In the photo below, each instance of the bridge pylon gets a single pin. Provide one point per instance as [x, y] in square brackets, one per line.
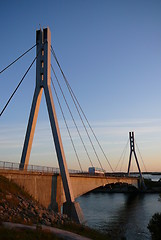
[43, 82]
[132, 150]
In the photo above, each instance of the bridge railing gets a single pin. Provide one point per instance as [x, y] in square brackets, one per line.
[33, 168]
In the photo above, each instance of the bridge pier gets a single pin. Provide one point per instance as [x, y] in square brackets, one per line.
[43, 82]
[132, 150]
[74, 211]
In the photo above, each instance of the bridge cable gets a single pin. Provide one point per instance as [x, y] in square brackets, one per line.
[140, 156]
[122, 156]
[132, 163]
[18, 58]
[66, 125]
[80, 115]
[123, 160]
[18, 86]
[75, 122]
[72, 116]
[77, 103]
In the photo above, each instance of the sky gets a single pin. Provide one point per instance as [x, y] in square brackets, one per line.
[110, 52]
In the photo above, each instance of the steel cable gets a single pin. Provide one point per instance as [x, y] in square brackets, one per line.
[76, 101]
[72, 116]
[17, 87]
[83, 122]
[141, 157]
[66, 125]
[122, 156]
[18, 58]
[123, 160]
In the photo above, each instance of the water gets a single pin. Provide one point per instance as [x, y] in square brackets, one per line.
[123, 215]
[154, 178]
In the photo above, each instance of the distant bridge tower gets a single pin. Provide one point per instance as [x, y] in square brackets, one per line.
[43, 82]
[132, 150]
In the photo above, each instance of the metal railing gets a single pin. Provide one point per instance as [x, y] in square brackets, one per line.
[50, 170]
[33, 168]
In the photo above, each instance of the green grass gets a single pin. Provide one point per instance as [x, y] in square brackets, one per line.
[84, 231]
[10, 234]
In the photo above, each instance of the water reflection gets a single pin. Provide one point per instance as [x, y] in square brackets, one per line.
[125, 216]
[126, 225]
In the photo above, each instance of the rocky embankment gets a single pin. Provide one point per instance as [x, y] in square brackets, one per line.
[17, 206]
[18, 210]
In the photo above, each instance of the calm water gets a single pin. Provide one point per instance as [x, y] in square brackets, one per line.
[154, 178]
[121, 214]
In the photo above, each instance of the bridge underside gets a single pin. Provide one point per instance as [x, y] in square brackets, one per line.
[48, 188]
[84, 184]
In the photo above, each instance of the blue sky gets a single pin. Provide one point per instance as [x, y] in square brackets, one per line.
[110, 52]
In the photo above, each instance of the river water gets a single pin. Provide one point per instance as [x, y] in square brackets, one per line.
[121, 214]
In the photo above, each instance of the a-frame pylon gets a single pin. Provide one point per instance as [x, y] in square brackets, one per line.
[132, 150]
[43, 82]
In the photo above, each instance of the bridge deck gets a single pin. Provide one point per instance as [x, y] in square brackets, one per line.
[48, 189]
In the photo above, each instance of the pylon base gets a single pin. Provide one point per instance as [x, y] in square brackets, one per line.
[73, 211]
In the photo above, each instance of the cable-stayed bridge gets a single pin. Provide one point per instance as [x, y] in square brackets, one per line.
[64, 187]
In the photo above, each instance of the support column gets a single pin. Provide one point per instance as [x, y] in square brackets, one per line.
[35, 105]
[43, 81]
[132, 150]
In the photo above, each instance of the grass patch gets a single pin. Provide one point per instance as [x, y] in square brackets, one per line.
[8, 186]
[84, 231]
[10, 234]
